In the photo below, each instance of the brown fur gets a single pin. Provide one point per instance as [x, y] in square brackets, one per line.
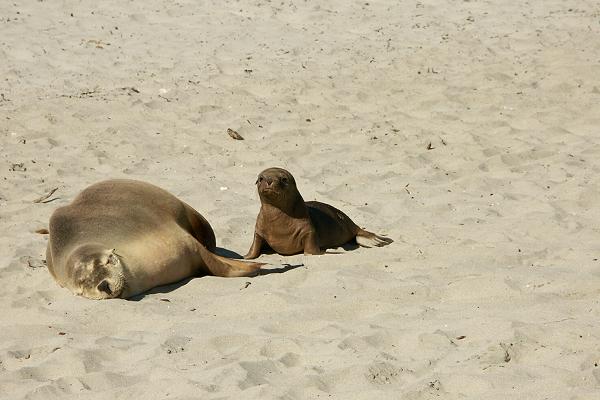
[119, 238]
[288, 225]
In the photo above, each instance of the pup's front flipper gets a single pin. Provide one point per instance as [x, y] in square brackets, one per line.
[311, 245]
[256, 247]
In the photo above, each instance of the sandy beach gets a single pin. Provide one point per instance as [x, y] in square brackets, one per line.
[467, 131]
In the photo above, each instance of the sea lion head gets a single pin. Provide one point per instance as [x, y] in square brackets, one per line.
[277, 186]
[96, 272]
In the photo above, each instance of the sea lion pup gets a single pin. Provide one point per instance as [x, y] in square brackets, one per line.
[289, 225]
[119, 238]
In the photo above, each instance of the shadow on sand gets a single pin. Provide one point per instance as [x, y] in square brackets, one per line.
[222, 252]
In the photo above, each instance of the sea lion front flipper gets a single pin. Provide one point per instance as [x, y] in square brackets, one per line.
[369, 239]
[311, 245]
[256, 247]
[227, 267]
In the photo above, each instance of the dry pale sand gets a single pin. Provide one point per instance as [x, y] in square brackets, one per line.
[468, 131]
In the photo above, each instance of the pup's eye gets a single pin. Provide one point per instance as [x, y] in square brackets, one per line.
[284, 181]
[260, 178]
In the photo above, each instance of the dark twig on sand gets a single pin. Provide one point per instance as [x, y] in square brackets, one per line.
[234, 134]
[246, 285]
[46, 196]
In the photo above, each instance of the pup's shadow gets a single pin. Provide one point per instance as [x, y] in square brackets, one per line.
[350, 246]
[281, 270]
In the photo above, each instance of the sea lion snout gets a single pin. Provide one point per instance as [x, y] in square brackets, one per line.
[97, 272]
[104, 287]
[269, 183]
[275, 180]
[266, 180]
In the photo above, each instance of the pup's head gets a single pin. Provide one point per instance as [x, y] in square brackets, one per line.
[96, 272]
[276, 186]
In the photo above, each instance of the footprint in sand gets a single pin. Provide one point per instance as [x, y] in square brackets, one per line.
[176, 344]
[259, 373]
[383, 373]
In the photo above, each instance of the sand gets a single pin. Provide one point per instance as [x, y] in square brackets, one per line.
[468, 131]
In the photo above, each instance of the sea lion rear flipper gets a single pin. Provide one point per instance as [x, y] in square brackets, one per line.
[369, 239]
[227, 267]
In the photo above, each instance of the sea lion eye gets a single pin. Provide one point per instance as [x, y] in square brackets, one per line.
[284, 181]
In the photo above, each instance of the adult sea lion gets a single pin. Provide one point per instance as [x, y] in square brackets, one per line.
[119, 238]
[289, 225]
